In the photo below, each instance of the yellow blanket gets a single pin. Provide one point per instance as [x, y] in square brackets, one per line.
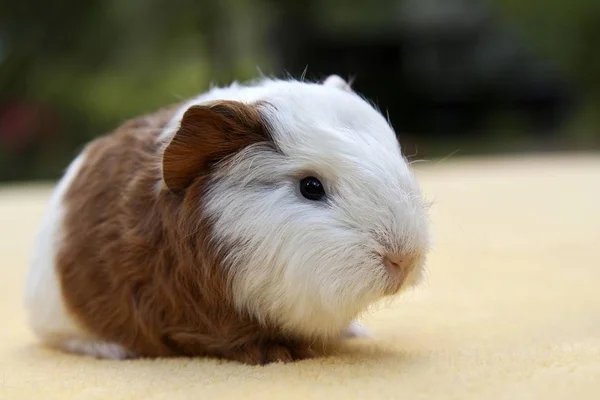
[510, 308]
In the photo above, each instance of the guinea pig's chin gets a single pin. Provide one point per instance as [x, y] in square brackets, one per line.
[399, 284]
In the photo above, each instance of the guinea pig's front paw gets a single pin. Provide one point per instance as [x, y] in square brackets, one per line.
[356, 330]
[272, 352]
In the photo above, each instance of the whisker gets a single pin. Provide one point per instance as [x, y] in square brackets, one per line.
[447, 157]
[415, 153]
[178, 96]
[418, 161]
[303, 74]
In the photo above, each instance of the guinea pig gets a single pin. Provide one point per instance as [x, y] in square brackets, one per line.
[253, 223]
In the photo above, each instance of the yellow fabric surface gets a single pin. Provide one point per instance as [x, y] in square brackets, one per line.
[510, 308]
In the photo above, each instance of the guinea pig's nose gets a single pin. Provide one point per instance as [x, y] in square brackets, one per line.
[400, 265]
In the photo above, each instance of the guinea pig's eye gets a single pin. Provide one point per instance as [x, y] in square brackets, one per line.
[312, 188]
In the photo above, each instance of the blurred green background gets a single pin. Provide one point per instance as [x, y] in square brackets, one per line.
[470, 77]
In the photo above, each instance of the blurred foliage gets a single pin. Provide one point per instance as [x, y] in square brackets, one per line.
[567, 32]
[71, 70]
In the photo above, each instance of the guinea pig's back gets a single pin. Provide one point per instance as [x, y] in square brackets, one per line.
[90, 192]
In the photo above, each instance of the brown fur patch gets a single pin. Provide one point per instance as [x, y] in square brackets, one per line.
[207, 135]
[136, 266]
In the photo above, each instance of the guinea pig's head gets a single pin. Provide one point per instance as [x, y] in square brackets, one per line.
[312, 205]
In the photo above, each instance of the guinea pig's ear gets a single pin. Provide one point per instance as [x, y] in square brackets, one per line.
[206, 135]
[338, 82]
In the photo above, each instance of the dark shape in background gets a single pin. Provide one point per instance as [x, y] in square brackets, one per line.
[438, 72]
[453, 75]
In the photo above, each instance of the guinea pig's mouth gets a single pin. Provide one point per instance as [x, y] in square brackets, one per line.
[394, 285]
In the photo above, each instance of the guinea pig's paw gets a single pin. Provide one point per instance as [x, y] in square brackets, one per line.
[97, 349]
[356, 330]
[273, 352]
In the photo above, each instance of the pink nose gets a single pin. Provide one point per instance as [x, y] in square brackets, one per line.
[399, 266]
[399, 263]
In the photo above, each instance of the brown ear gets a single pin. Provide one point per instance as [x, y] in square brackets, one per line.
[207, 134]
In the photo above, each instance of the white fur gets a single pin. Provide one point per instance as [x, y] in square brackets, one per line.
[311, 267]
[47, 314]
[337, 81]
